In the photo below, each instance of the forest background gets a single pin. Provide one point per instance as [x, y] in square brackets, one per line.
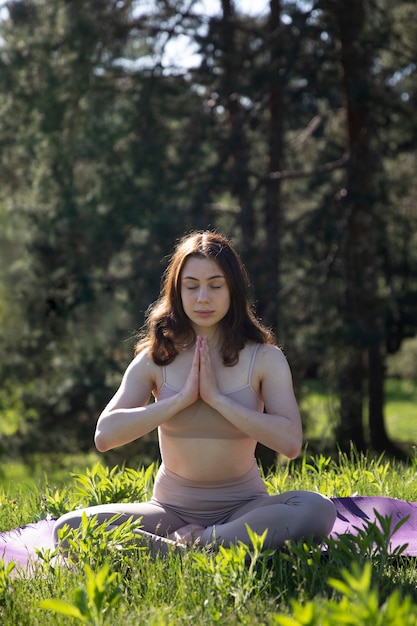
[292, 129]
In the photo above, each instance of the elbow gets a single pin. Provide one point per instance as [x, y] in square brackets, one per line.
[292, 453]
[100, 442]
[294, 450]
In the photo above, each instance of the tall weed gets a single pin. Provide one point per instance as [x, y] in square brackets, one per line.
[105, 577]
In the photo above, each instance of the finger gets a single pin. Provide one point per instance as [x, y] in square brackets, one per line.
[196, 360]
[204, 347]
[203, 354]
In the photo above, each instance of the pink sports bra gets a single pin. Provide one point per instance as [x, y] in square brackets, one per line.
[201, 421]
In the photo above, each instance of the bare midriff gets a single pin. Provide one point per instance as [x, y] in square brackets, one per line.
[207, 459]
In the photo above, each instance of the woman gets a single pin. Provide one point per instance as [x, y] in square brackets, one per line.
[221, 386]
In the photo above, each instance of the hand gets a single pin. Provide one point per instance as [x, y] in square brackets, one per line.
[190, 392]
[208, 386]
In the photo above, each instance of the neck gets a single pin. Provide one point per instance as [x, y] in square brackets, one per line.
[213, 336]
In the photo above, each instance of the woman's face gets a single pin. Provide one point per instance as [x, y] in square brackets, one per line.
[205, 294]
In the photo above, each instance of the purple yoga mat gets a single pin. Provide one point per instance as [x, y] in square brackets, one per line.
[352, 513]
[19, 545]
[357, 512]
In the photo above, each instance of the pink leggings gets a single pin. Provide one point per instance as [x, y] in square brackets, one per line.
[224, 508]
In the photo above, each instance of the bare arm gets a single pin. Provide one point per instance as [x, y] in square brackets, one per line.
[128, 416]
[279, 427]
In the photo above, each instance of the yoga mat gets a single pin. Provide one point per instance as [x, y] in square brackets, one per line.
[357, 512]
[353, 513]
[19, 545]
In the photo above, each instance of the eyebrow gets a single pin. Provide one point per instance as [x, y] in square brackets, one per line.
[209, 278]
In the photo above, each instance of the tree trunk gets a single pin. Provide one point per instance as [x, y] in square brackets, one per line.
[377, 430]
[273, 205]
[351, 390]
[359, 253]
[238, 146]
[240, 186]
[273, 201]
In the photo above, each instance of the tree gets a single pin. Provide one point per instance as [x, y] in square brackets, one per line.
[87, 134]
[109, 154]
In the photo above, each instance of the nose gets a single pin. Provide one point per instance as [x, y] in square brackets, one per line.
[202, 294]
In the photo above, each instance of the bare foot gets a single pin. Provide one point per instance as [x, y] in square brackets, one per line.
[187, 535]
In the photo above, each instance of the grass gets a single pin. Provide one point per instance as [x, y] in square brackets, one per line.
[319, 408]
[21, 475]
[401, 410]
[111, 581]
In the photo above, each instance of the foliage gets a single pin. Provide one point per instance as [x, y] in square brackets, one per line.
[101, 575]
[235, 570]
[403, 364]
[100, 485]
[92, 604]
[319, 403]
[110, 152]
[5, 580]
[93, 542]
[359, 605]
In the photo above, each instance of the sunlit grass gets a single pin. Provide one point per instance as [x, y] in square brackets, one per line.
[112, 583]
[319, 407]
[401, 410]
[109, 581]
[20, 475]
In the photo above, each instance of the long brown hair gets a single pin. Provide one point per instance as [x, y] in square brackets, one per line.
[168, 330]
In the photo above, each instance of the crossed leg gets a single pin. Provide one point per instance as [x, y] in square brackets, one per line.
[156, 522]
[292, 515]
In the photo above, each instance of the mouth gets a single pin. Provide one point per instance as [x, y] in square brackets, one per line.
[204, 313]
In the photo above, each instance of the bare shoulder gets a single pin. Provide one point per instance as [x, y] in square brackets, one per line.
[138, 382]
[271, 354]
[271, 362]
[143, 367]
[142, 358]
